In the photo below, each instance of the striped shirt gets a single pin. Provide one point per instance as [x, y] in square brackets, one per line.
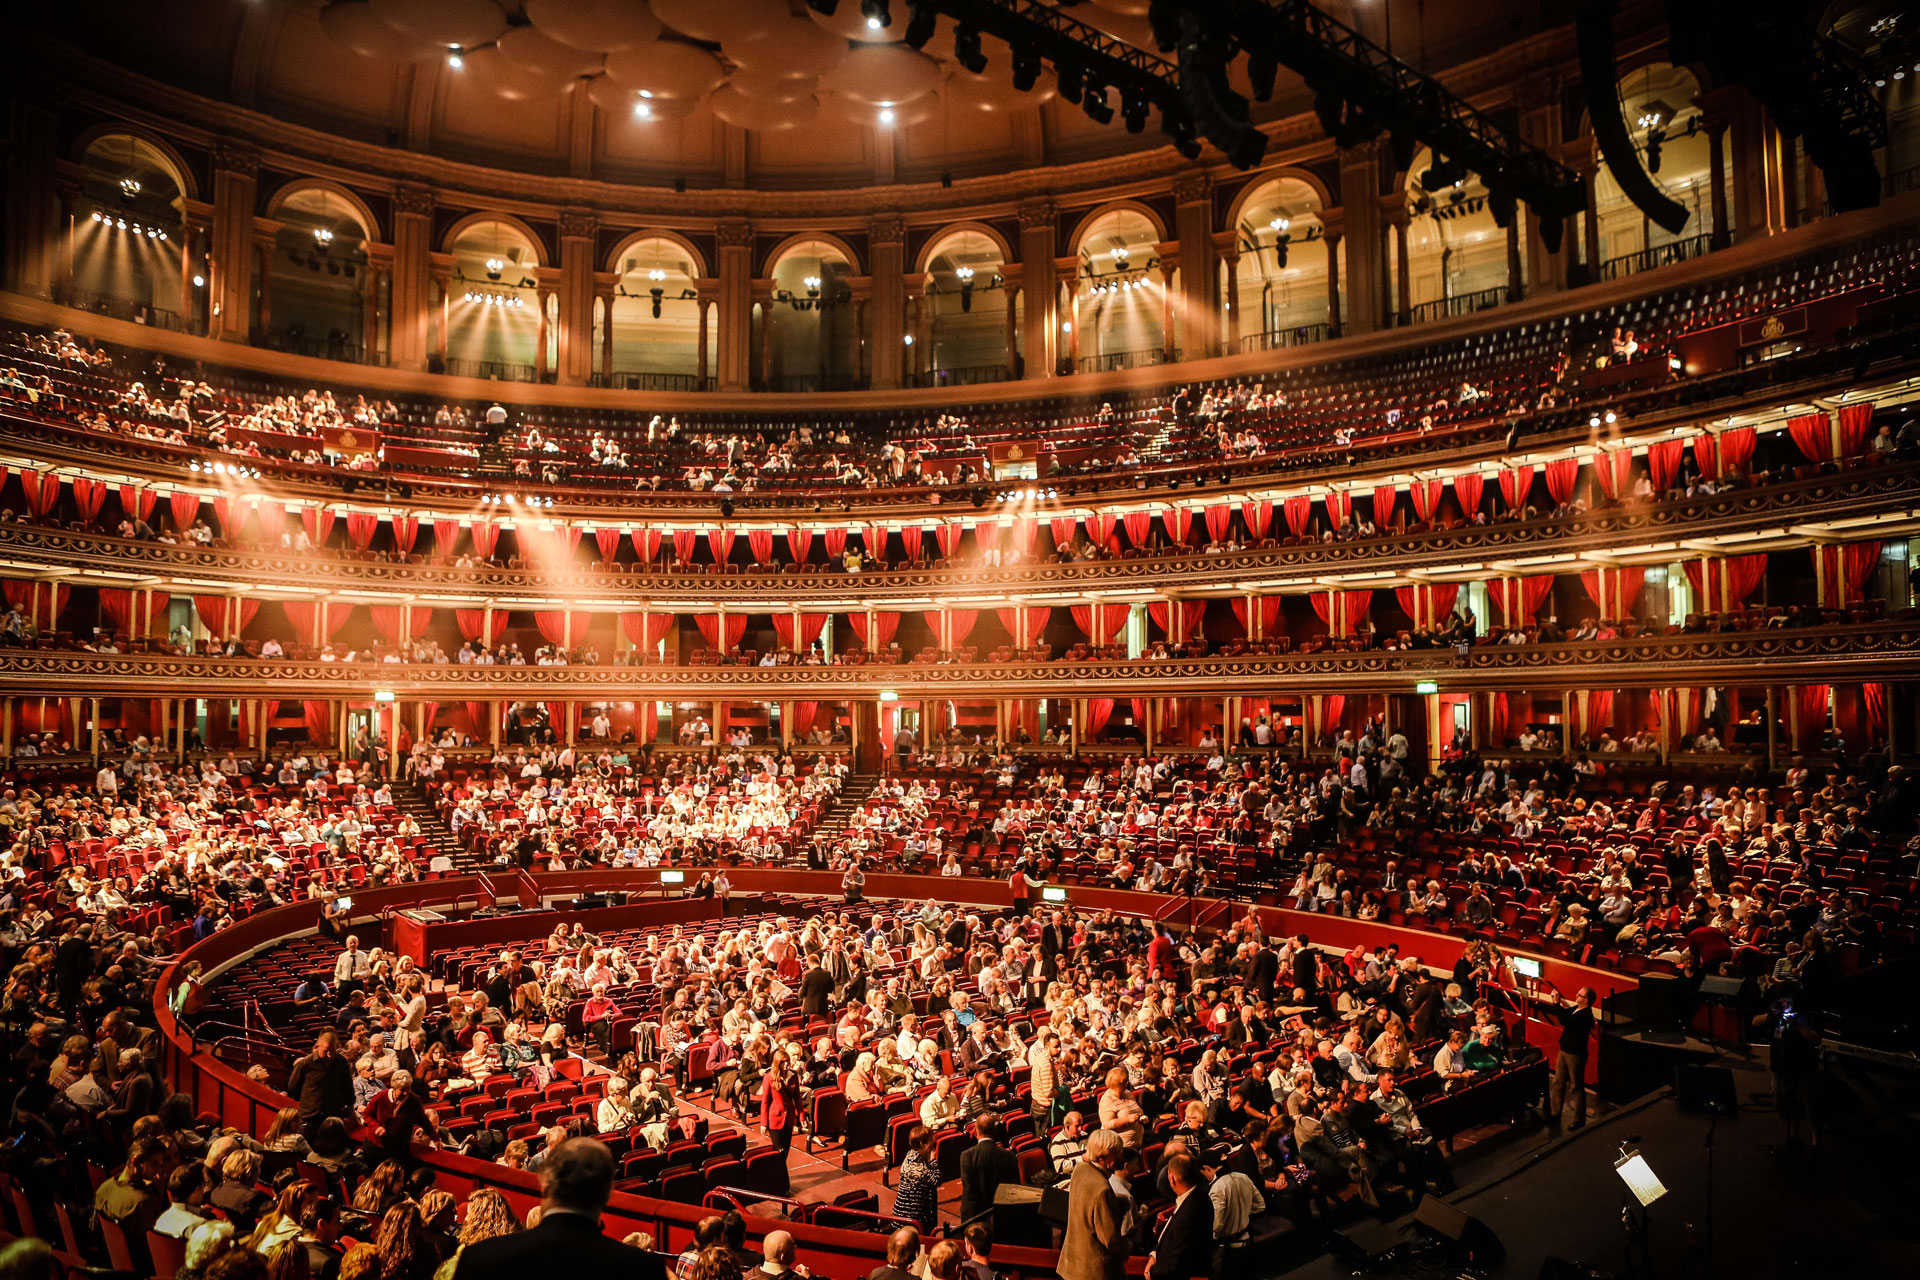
[1040, 1063]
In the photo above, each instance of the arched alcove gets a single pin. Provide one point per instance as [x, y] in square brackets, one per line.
[1280, 281]
[1670, 136]
[969, 338]
[808, 327]
[127, 222]
[1456, 252]
[1119, 306]
[656, 316]
[492, 307]
[318, 298]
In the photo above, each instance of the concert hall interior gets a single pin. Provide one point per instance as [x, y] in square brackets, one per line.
[878, 638]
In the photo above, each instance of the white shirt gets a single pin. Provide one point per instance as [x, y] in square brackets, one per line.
[1235, 1201]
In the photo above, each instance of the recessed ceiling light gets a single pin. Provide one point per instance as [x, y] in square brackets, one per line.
[644, 110]
[886, 115]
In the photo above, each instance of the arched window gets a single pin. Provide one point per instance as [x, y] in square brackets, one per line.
[1119, 303]
[656, 317]
[808, 330]
[127, 233]
[492, 304]
[1670, 136]
[966, 319]
[319, 297]
[1456, 253]
[1281, 278]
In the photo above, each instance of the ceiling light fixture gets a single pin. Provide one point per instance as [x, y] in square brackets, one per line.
[454, 59]
[323, 236]
[886, 115]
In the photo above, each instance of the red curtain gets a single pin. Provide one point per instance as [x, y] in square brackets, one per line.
[1026, 536]
[386, 621]
[1353, 607]
[1663, 461]
[1101, 530]
[1385, 497]
[486, 536]
[683, 544]
[88, 497]
[1112, 620]
[138, 502]
[803, 714]
[360, 529]
[319, 717]
[1517, 600]
[960, 626]
[608, 543]
[219, 613]
[446, 535]
[318, 523]
[947, 537]
[1425, 495]
[1427, 603]
[1561, 475]
[1339, 504]
[720, 543]
[911, 538]
[1856, 420]
[1298, 510]
[117, 604]
[184, 506]
[1468, 489]
[473, 622]
[1611, 470]
[811, 624]
[553, 624]
[1099, 711]
[836, 542]
[1728, 582]
[1036, 620]
[1810, 704]
[657, 626]
[646, 544]
[1736, 450]
[1139, 526]
[1616, 591]
[1178, 522]
[1269, 615]
[1874, 702]
[1515, 484]
[1219, 521]
[1062, 528]
[1178, 619]
[799, 542]
[760, 543]
[1813, 432]
[406, 530]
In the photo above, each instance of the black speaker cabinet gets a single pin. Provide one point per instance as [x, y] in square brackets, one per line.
[1469, 1239]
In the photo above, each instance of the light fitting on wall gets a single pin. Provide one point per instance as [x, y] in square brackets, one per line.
[323, 236]
[129, 188]
[886, 116]
[454, 59]
[494, 267]
[495, 299]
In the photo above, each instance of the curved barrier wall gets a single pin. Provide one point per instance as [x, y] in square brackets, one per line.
[221, 1090]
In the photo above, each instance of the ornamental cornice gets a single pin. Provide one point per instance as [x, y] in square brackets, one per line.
[1869, 651]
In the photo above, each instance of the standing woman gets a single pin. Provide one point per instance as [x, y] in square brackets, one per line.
[779, 1102]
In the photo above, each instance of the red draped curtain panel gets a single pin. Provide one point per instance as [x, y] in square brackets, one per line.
[760, 543]
[446, 536]
[911, 538]
[1736, 450]
[117, 604]
[1515, 484]
[947, 537]
[1298, 510]
[1178, 522]
[1258, 517]
[1099, 711]
[803, 716]
[1034, 619]
[1062, 529]
[406, 531]
[185, 507]
[646, 544]
[1663, 463]
[1425, 495]
[1100, 530]
[1339, 505]
[318, 715]
[1139, 525]
[1468, 489]
[835, 541]
[360, 529]
[607, 542]
[88, 497]
[647, 630]
[1178, 620]
[1810, 705]
[1616, 591]
[811, 625]
[473, 625]
[1026, 536]
[720, 543]
[486, 537]
[684, 541]
[1725, 584]
[1813, 434]
[1517, 600]
[1562, 473]
[138, 503]
[1427, 603]
[318, 522]
[1611, 470]
[1269, 616]
[1856, 422]
[1385, 497]
[1219, 521]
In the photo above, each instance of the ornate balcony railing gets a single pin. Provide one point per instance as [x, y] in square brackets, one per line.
[1775, 656]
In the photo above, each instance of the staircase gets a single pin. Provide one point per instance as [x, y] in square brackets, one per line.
[494, 456]
[1155, 445]
[833, 822]
[410, 800]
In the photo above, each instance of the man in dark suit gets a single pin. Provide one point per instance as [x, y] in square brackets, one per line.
[815, 986]
[575, 1181]
[984, 1167]
[1263, 970]
[1306, 968]
[1185, 1246]
[1056, 940]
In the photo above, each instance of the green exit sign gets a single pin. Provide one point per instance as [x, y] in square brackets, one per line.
[1427, 686]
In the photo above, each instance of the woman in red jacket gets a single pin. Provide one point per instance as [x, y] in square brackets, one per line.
[779, 1103]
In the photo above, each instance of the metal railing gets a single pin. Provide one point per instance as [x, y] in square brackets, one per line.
[651, 380]
[1141, 358]
[966, 375]
[118, 308]
[1298, 335]
[1460, 304]
[328, 348]
[811, 382]
[497, 370]
[1662, 255]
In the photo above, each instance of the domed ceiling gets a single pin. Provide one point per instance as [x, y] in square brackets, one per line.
[760, 93]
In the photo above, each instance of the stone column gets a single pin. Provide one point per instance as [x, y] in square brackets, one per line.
[443, 285]
[1040, 324]
[1335, 324]
[886, 250]
[578, 227]
[1231, 303]
[606, 334]
[1759, 192]
[735, 241]
[263, 265]
[1199, 296]
[412, 278]
[370, 310]
[1366, 247]
[700, 350]
[1717, 162]
[1401, 221]
[236, 169]
[541, 297]
[1013, 329]
[193, 231]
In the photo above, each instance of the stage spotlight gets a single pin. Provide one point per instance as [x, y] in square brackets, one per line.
[921, 18]
[1095, 104]
[966, 50]
[1261, 69]
[1026, 67]
[878, 13]
[824, 8]
[1133, 109]
[1072, 81]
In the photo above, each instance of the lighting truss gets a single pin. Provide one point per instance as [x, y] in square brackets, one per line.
[1369, 92]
